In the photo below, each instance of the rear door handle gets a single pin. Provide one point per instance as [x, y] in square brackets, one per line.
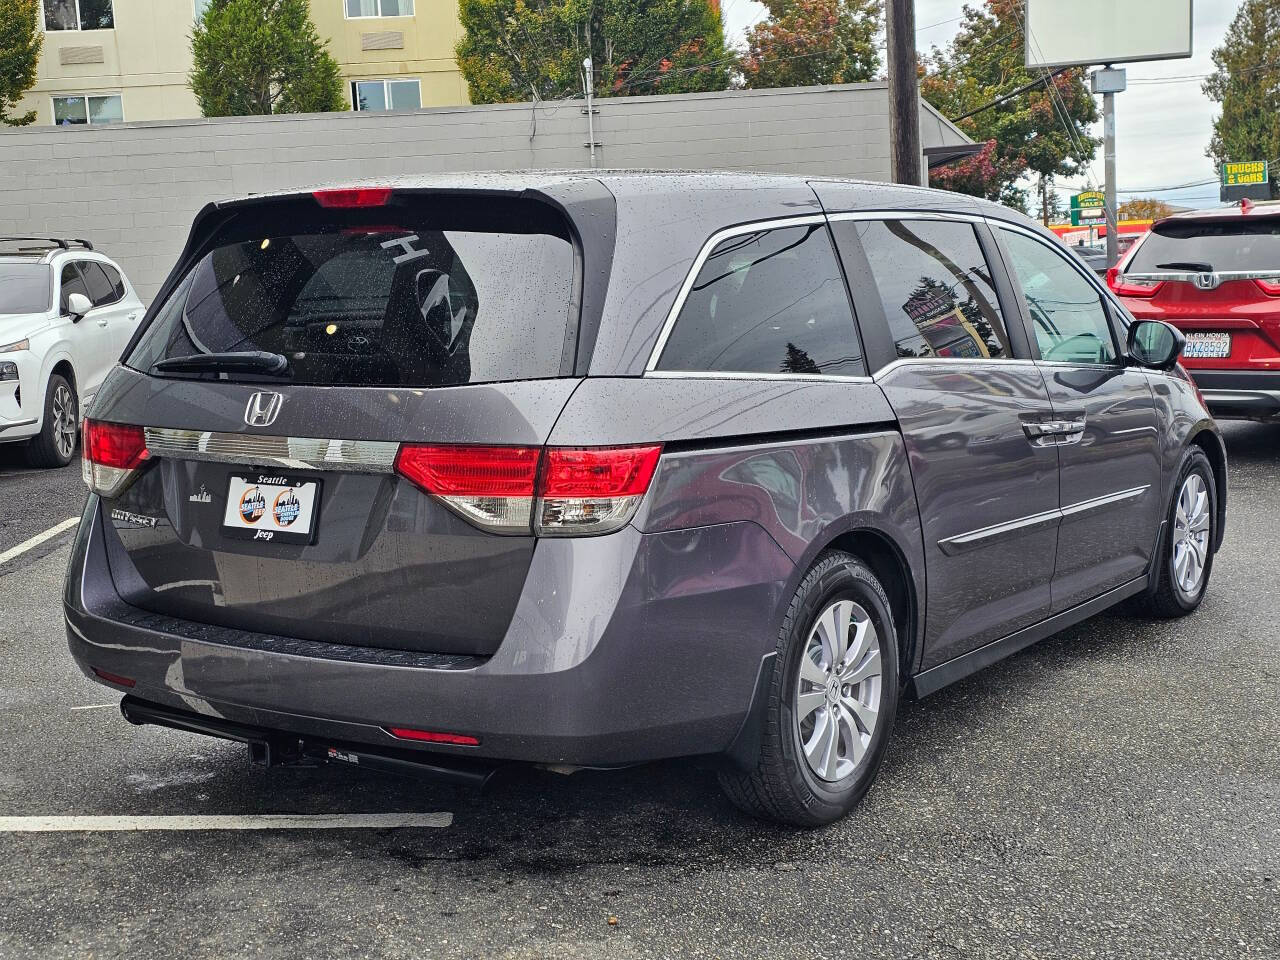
[102, 323]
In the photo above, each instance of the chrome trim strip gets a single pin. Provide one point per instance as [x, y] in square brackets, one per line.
[998, 531]
[296, 453]
[1012, 528]
[664, 334]
[1097, 503]
[727, 375]
[1221, 275]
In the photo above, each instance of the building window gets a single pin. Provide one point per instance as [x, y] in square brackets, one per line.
[69, 111]
[78, 15]
[200, 7]
[379, 95]
[379, 8]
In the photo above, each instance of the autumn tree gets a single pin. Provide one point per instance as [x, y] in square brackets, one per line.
[1143, 208]
[1042, 132]
[514, 50]
[262, 56]
[20, 43]
[808, 42]
[1246, 82]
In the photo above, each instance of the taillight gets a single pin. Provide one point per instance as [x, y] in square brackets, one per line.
[1123, 287]
[490, 486]
[353, 197]
[593, 490]
[562, 491]
[1270, 287]
[112, 455]
[115, 678]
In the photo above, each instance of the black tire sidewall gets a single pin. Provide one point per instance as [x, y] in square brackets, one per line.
[42, 449]
[841, 576]
[1194, 461]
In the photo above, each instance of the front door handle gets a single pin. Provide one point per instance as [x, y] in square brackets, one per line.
[1046, 433]
[102, 323]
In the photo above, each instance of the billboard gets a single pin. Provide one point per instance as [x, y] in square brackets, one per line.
[1089, 32]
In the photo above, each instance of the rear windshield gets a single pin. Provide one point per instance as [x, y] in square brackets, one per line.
[377, 306]
[25, 288]
[1225, 247]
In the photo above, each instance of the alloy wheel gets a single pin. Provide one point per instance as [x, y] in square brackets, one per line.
[838, 691]
[64, 421]
[1191, 524]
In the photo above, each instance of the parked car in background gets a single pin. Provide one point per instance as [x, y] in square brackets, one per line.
[595, 469]
[66, 313]
[1215, 274]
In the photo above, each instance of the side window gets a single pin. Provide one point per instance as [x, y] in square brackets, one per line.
[101, 290]
[72, 282]
[1067, 315]
[936, 288]
[773, 301]
[117, 281]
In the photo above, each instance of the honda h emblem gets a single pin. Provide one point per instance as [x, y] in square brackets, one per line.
[1207, 281]
[263, 409]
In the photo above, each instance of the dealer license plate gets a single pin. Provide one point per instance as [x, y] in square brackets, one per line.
[280, 509]
[1207, 346]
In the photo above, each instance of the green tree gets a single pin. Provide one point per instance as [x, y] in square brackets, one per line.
[808, 42]
[262, 56]
[514, 50]
[20, 42]
[1246, 82]
[1044, 131]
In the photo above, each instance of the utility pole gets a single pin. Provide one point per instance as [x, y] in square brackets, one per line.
[1109, 82]
[589, 90]
[904, 92]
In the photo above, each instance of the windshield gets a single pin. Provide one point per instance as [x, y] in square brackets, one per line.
[25, 288]
[1237, 245]
[377, 306]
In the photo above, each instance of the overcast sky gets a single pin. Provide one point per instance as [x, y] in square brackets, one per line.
[1162, 129]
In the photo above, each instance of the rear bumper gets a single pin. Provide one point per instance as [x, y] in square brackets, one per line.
[1240, 394]
[605, 663]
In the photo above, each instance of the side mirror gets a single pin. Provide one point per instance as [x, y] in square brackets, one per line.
[77, 306]
[1155, 344]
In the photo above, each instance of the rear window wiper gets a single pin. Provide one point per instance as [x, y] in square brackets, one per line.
[249, 361]
[1191, 266]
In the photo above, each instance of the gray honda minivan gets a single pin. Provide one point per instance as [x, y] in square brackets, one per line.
[590, 469]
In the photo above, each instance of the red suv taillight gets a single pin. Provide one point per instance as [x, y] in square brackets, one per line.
[112, 455]
[1131, 288]
[1270, 286]
[557, 492]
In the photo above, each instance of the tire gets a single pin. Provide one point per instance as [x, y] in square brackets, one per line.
[785, 784]
[1171, 596]
[55, 444]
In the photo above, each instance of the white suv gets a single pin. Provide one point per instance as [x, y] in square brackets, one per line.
[66, 313]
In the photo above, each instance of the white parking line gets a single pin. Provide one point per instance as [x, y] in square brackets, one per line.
[267, 821]
[38, 539]
[96, 706]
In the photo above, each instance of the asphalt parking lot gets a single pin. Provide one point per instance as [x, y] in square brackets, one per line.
[1112, 792]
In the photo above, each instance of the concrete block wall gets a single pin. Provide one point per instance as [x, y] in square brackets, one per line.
[133, 189]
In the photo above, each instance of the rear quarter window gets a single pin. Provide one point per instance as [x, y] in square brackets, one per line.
[403, 306]
[770, 301]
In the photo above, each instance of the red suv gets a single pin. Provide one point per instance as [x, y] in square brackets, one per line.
[1215, 274]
